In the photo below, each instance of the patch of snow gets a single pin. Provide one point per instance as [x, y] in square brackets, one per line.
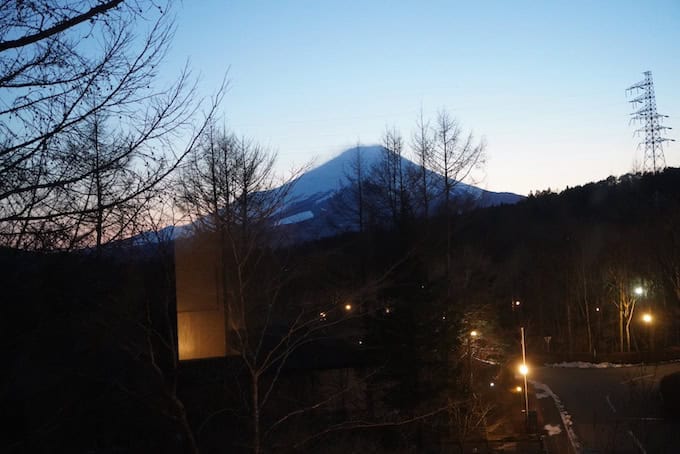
[586, 365]
[297, 217]
[541, 395]
[326, 197]
[566, 417]
[487, 361]
[164, 235]
[552, 430]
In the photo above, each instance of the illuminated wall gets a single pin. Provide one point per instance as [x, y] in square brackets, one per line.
[200, 312]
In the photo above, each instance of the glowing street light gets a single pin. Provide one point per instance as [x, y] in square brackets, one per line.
[518, 389]
[474, 333]
[647, 318]
[639, 290]
[348, 307]
[523, 369]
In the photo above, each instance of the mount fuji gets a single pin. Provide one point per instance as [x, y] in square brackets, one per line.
[312, 198]
[319, 204]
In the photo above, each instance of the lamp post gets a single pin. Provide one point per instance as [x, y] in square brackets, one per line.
[524, 370]
[648, 319]
[516, 307]
[598, 311]
[473, 335]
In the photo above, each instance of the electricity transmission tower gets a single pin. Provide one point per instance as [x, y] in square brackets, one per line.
[650, 119]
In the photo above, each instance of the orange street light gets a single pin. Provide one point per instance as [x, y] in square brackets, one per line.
[523, 369]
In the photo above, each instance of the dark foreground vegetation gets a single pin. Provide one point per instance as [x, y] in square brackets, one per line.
[89, 339]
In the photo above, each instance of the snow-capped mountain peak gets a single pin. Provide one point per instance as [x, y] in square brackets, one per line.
[332, 175]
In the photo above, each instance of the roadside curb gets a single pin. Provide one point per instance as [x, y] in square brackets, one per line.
[541, 391]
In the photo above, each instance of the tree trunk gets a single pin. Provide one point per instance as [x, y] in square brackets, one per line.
[99, 223]
[257, 447]
[570, 338]
[621, 328]
[587, 307]
[629, 318]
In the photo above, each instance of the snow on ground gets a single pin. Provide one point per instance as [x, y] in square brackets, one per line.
[585, 365]
[541, 395]
[566, 417]
[297, 217]
[487, 361]
[324, 198]
[552, 430]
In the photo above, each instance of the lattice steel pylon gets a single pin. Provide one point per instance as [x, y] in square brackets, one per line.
[650, 119]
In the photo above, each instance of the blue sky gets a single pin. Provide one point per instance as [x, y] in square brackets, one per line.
[543, 82]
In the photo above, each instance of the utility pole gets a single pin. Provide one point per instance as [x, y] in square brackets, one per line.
[524, 371]
[470, 338]
[650, 119]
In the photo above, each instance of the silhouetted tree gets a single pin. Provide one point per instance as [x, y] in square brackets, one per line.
[70, 70]
[455, 157]
[422, 146]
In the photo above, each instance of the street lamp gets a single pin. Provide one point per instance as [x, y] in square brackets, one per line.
[524, 370]
[648, 319]
[514, 304]
[473, 335]
[639, 290]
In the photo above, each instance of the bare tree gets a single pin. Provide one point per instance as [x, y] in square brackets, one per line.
[455, 157]
[389, 179]
[356, 176]
[468, 419]
[620, 287]
[270, 312]
[422, 145]
[69, 71]
[87, 133]
[228, 187]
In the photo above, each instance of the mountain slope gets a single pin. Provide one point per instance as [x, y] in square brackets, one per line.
[333, 176]
[317, 201]
[312, 199]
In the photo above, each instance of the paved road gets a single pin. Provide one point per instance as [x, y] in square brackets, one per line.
[615, 410]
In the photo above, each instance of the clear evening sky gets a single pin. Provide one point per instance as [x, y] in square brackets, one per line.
[544, 82]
